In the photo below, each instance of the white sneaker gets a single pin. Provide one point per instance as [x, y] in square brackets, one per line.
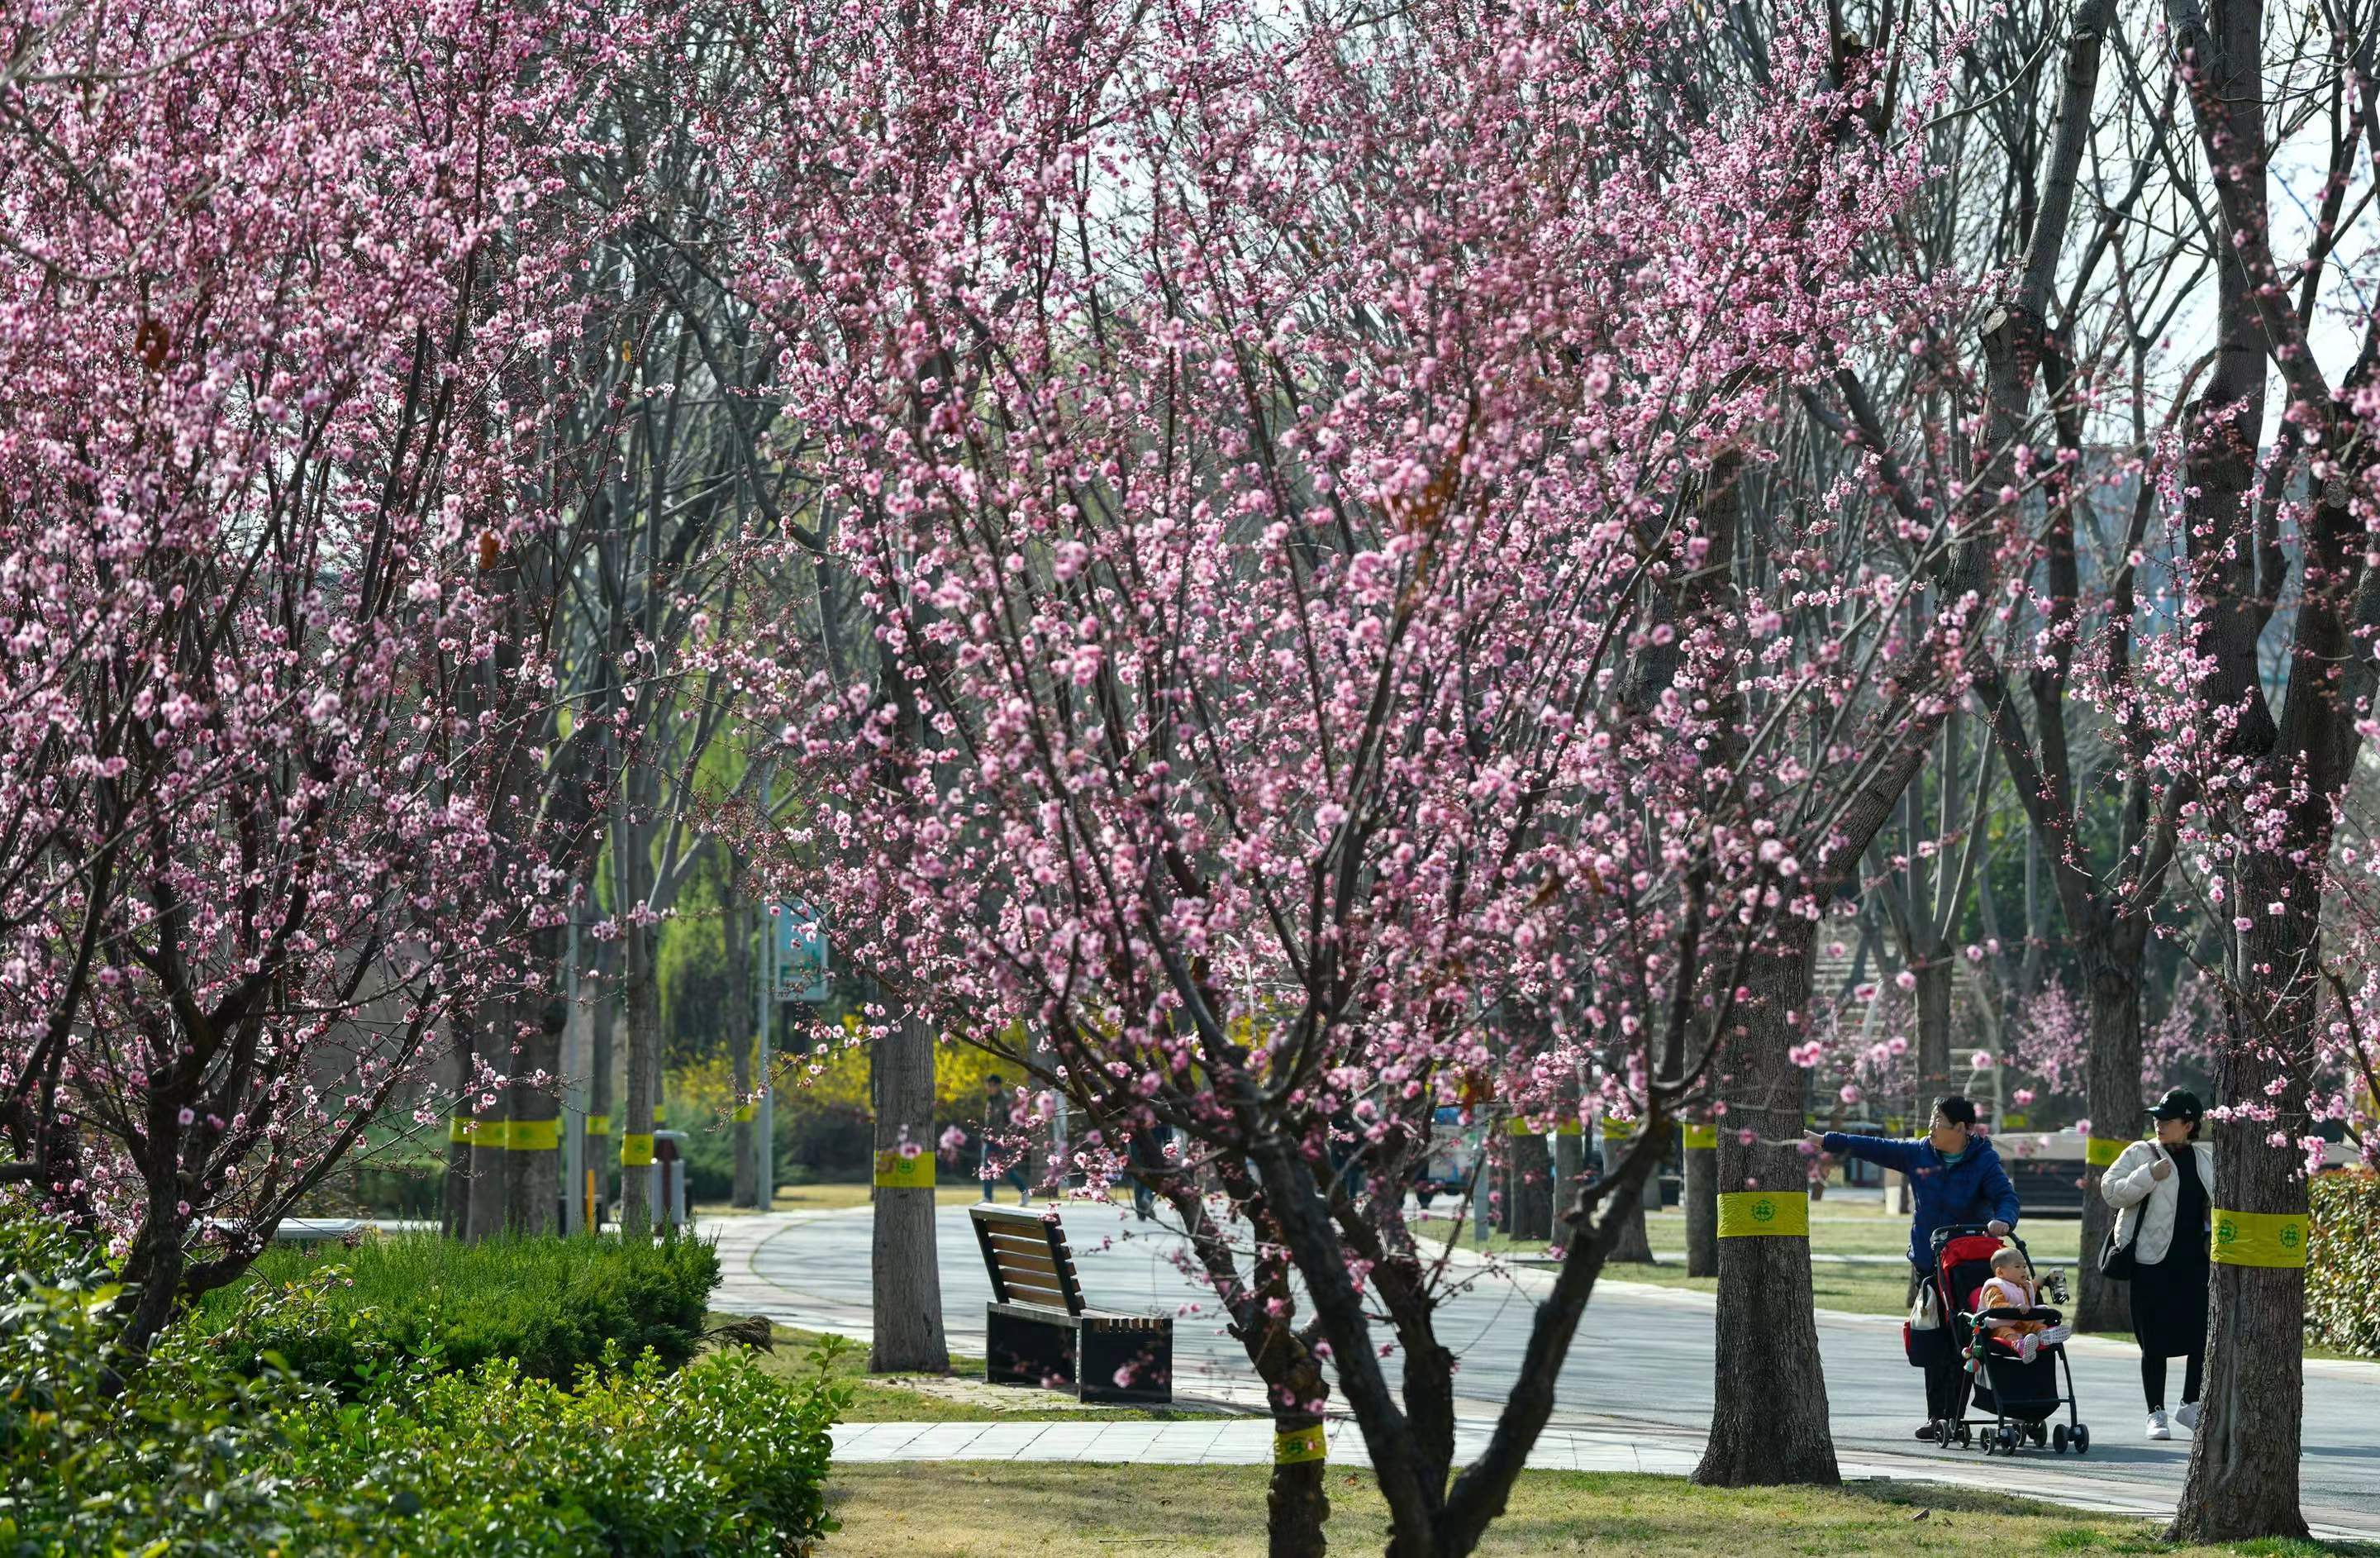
[2157, 1425]
[2185, 1417]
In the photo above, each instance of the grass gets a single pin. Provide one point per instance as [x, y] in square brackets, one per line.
[959, 1509]
[876, 1399]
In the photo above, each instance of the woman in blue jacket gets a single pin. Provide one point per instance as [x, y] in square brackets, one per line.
[1954, 1177]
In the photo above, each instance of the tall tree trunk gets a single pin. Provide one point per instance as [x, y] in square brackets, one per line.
[1700, 1193]
[492, 1125]
[1570, 1162]
[1769, 1416]
[735, 931]
[640, 1003]
[1937, 1073]
[2112, 1087]
[602, 1129]
[533, 1164]
[2243, 1456]
[1297, 1499]
[906, 1292]
[1634, 1245]
[1532, 1187]
[454, 1214]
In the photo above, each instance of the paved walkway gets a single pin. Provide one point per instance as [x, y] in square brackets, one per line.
[1634, 1396]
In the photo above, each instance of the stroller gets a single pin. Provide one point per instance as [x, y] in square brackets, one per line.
[1964, 1366]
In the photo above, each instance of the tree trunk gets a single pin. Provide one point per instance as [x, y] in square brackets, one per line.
[1769, 1412]
[1700, 1193]
[533, 1164]
[640, 1001]
[1297, 1502]
[2243, 1457]
[454, 1214]
[2112, 1087]
[1570, 1162]
[1634, 1245]
[1533, 1188]
[735, 931]
[1936, 1074]
[153, 1269]
[907, 1287]
[602, 1132]
[491, 1126]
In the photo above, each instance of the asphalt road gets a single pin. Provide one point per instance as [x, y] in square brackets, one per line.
[1643, 1360]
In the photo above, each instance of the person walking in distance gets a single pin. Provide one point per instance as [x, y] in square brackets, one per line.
[1150, 1162]
[1955, 1178]
[2163, 1191]
[998, 1116]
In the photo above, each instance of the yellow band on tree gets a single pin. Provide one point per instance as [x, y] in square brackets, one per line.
[1299, 1445]
[536, 1136]
[598, 1124]
[1750, 1215]
[2101, 1151]
[458, 1129]
[637, 1149]
[1619, 1130]
[2260, 1238]
[1705, 1137]
[1519, 1125]
[896, 1171]
[493, 1135]
[1570, 1127]
[747, 1111]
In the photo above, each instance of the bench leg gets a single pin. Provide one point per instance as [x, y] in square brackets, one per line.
[1134, 1366]
[1027, 1352]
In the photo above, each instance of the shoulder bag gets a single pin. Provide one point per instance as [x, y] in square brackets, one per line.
[2116, 1262]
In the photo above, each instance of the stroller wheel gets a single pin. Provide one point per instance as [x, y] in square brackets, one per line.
[2080, 1438]
[2010, 1440]
[2057, 1439]
[1966, 1434]
[2039, 1432]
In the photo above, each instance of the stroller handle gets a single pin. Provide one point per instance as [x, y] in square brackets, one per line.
[1944, 1233]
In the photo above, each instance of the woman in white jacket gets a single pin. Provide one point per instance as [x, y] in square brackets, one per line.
[2164, 1195]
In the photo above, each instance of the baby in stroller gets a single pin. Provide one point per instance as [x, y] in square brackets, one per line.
[1987, 1345]
[2010, 1287]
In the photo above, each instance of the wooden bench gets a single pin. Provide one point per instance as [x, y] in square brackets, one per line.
[1039, 1332]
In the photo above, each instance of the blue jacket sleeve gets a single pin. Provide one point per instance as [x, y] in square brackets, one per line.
[1894, 1154]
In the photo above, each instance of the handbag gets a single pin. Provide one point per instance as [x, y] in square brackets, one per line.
[1923, 1313]
[2116, 1262]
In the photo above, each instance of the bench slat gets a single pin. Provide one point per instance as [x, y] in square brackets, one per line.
[1030, 1261]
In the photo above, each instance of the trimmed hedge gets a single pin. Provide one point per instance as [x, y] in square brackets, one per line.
[2343, 1261]
[550, 1307]
[181, 1457]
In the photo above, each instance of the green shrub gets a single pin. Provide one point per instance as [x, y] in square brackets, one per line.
[2343, 1262]
[345, 1317]
[419, 1461]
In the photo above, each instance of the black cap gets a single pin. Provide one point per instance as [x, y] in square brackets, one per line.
[2179, 1104]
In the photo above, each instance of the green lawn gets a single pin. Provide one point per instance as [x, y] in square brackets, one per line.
[1835, 1228]
[876, 1399]
[959, 1509]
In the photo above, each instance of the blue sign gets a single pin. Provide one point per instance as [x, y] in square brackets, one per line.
[801, 952]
